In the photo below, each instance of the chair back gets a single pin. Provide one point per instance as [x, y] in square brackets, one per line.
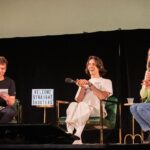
[110, 121]
[111, 108]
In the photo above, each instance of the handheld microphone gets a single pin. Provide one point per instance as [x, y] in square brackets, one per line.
[148, 66]
[69, 80]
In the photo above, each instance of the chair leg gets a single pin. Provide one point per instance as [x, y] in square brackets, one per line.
[101, 136]
[120, 125]
[101, 129]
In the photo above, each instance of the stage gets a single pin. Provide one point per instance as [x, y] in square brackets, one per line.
[70, 146]
[48, 136]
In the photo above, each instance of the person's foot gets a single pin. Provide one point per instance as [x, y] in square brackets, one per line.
[77, 142]
[68, 132]
[146, 141]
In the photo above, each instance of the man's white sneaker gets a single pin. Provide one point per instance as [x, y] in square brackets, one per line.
[77, 142]
[68, 132]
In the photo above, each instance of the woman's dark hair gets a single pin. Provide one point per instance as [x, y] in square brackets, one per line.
[99, 64]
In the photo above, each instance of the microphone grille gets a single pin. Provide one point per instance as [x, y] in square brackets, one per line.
[148, 66]
[69, 80]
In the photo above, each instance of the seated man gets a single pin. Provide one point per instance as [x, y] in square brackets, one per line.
[7, 94]
[88, 97]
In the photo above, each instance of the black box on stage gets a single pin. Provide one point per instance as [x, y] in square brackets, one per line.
[34, 133]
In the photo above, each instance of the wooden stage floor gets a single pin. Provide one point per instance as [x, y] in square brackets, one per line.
[70, 146]
[48, 136]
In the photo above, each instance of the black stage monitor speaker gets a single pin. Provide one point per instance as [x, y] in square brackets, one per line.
[34, 133]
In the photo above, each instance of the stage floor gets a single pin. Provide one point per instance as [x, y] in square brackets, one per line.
[48, 136]
[70, 146]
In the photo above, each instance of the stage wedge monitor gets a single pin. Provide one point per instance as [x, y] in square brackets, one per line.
[34, 133]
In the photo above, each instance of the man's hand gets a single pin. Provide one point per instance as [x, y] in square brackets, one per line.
[4, 96]
[82, 83]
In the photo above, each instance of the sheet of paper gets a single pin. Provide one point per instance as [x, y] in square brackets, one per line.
[4, 91]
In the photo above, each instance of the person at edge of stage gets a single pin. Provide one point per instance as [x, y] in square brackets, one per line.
[7, 93]
[141, 111]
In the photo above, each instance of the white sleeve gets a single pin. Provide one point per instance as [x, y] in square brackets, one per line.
[107, 85]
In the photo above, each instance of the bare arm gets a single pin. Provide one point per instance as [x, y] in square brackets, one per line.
[83, 84]
[102, 95]
[10, 100]
[146, 81]
[81, 95]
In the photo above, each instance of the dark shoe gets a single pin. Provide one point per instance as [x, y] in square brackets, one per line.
[73, 136]
[76, 137]
[147, 140]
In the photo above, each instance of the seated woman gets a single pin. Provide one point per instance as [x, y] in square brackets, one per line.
[141, 111]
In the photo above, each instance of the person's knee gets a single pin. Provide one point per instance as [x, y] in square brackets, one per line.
[72, 106]
[140, 108]
[10, 112]
[133, 108]
[73, 103]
